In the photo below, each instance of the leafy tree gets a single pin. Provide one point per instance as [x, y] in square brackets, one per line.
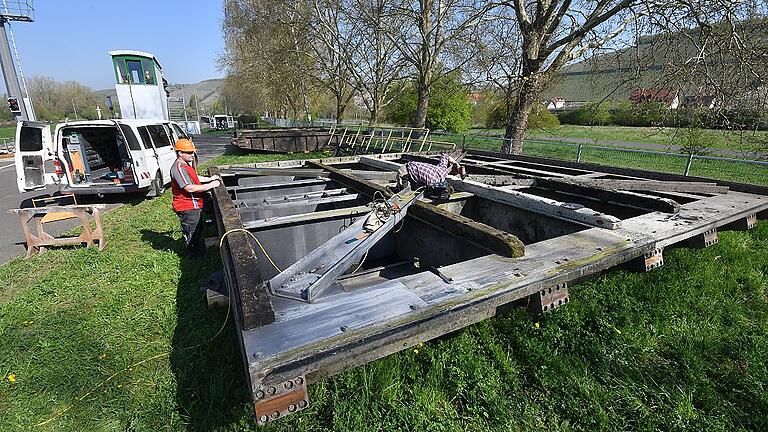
[449, 107]
[540, 118]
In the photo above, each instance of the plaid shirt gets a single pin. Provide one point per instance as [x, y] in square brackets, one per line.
[428, 174]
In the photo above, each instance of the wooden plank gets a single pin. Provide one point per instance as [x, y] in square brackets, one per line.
[256, 171]
[633, 199]
[484, 236]
[653, 185]
[538, 204]
[251, 302]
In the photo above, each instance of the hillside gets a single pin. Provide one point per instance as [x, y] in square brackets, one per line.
[657, 61]
[207, 92]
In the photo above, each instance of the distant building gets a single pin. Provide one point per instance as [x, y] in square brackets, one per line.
[475, 98]
[668, 97]
[707, 102]
[556, 103]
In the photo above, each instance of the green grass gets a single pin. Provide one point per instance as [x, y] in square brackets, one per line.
[671, 163]
[8, 132]
[714, 139]
[680, 348]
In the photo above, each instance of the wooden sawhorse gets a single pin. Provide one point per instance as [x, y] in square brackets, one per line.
[37, 243]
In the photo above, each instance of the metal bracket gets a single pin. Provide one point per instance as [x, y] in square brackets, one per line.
[703, 240]
[274, 402]
[743, 224]
[549, 298]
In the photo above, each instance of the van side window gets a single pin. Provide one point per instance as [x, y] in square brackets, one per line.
[144, 134]
[133, 143]
[159, 137]
[31, 139]
[179, 131]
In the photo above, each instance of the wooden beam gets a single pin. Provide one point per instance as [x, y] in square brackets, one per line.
[536, 204]
[633, 199]
[489, 238]
[653, 185]
[251, 302]
[296, 203]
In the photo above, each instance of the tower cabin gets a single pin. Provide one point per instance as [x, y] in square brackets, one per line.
[140, 85]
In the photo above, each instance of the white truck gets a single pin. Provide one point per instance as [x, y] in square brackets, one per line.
[97, 156]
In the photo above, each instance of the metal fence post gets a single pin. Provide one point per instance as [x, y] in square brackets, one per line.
[578, 155]
[688, 165]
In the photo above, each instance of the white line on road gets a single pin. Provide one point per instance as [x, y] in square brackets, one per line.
[6, 166]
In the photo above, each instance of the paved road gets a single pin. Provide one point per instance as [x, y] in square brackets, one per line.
[11, 237]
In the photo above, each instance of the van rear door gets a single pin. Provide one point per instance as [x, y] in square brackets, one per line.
[34, 156]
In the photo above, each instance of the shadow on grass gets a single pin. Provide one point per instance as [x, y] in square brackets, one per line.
[211, 391]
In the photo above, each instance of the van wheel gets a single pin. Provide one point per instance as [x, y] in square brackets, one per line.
[158, 186]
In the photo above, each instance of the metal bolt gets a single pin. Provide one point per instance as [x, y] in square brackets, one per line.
[302, 403]
[263, 419]
[288, 385]
[344, 328]
[299, 381]
[276, 414]
[291, 408]
[260, 394]
[271, 390]
[414, 307]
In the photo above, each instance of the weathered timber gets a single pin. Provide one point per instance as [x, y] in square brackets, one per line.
[292, 140]
[250, 298]
[309, 201]
[652, 185]
[630, 172]
[482, 235]
[649, 202]
[251, 171]
[284, 184]
[538, 204]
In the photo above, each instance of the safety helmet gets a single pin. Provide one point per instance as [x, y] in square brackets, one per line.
[185, 145]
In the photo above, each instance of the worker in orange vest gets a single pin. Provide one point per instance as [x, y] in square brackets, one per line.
[188, 188]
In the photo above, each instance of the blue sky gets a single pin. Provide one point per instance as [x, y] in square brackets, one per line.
[69, 39]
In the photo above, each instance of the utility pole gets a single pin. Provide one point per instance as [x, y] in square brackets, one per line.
[17, 100]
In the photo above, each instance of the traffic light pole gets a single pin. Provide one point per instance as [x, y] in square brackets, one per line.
[9, 74]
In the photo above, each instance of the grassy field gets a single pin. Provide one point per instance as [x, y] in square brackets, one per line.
[671, 163]
[122, 340]
[713, 139]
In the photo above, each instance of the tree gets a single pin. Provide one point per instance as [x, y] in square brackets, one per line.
[56, 101]
[555, 32]
[449, 108]
[374, 59]
[430, 28]
[265, 56]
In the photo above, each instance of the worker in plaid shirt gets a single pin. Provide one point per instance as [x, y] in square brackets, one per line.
[419, 174]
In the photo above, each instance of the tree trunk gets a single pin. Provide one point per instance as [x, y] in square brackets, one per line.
[517, 119]
[341, 106]
[420, 117]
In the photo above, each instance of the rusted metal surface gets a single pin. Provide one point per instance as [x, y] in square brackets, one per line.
[297, 140]
[274, 402]
[447, 266]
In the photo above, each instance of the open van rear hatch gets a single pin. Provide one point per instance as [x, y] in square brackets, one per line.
[96, 155]
[34, 156]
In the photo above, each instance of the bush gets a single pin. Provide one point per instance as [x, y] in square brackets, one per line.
[540, 118]
[449, 107]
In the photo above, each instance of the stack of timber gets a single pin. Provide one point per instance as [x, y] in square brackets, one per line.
[516, 231]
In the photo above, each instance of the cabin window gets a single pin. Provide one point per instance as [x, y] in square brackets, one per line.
[149, 72]
[135, 71]
[122, 74]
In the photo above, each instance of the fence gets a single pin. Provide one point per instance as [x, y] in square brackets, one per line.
[7, 145]
[722, 168]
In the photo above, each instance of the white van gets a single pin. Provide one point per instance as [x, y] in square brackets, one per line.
[98, 156]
